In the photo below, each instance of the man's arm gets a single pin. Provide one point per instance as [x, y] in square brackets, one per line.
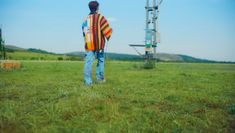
[83, 26]
[105, 28]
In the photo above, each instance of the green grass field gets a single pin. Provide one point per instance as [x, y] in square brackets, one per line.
[26, 55]
[173, 97]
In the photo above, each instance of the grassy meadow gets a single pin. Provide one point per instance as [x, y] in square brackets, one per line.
[27, 55]
[174, 97]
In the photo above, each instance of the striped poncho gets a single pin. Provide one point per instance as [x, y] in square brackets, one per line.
[95, 29]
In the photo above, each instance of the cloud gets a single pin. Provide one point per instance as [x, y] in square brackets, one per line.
[112, 19]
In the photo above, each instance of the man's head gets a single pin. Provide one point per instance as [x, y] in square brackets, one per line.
[94, 6]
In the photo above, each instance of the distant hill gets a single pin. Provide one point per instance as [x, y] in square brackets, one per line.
[39, 51]
[32, 53]
[164, 57]
[111, 56]
[17, 53]
[180, 58]
[14, 48]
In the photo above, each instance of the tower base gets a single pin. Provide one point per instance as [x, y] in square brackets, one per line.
[149, 62]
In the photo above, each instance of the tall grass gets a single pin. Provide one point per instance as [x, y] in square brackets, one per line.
[50, 97]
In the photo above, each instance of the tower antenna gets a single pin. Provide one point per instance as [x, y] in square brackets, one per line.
[152, 35]
[2, 47]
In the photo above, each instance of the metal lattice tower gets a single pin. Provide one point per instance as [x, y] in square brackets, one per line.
[1, 44]
[2, 47]
[152, 36]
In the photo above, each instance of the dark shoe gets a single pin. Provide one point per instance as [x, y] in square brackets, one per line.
[101, 81]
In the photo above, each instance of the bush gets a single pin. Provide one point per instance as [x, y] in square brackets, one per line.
[73, 58]
[60, 58]
[42, 58]
[33, 58]
[10, 58]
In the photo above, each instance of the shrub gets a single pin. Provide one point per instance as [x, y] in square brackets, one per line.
[60, 58]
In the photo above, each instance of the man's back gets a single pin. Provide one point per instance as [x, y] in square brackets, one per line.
[95, 29]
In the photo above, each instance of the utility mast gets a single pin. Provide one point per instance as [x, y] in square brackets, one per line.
[2, 47]
[152, 36]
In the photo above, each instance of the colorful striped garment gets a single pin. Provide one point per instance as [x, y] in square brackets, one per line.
[95, 29]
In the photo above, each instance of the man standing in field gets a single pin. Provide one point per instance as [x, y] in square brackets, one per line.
[96, 31]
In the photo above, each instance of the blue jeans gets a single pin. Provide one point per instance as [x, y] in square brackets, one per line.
[89, 59]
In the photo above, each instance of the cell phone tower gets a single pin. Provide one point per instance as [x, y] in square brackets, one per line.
[152, 36]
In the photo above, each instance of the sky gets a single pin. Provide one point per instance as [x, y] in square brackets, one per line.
[199, 28]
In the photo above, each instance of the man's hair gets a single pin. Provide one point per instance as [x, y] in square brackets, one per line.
[93, 5]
